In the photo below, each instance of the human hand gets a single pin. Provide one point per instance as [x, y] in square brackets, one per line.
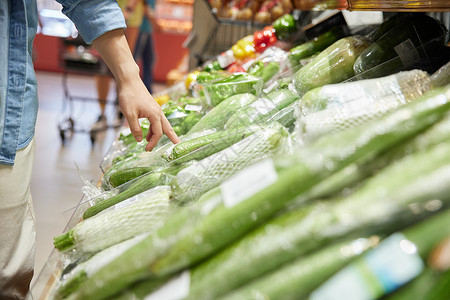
[136, 102]
[134, 99]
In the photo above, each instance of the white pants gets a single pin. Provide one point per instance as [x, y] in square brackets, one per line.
[17, 226]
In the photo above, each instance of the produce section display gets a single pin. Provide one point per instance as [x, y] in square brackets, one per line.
[303, 166]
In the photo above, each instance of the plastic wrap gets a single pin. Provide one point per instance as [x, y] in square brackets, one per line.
[204, 230]
[296, 279]
[416, 41]
[208, 173]
[238, 83]
[218, 116]
[262, 108]
[204, 146]
[417, 180]
[307, 49]
[138, 214]
[184, 113]
[332, 65]
[287, 116]
[332, 108]
[72, 277]
[441, 77]
[398, 259]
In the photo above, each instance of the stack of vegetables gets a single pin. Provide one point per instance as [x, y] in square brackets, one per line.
[295, 191]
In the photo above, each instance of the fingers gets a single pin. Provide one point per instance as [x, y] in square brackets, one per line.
[155, 133]
[168, 130]
[135, 128]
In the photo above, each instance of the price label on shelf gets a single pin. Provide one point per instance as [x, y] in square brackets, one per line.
[248, 182]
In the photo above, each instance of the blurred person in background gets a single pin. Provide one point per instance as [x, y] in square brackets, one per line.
[144, 52]
[99, 22]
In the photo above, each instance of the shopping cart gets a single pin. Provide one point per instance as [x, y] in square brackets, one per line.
[77, 57]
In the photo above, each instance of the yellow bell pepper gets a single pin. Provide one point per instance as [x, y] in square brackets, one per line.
[244, 48]
[191, 77]
[163, 99]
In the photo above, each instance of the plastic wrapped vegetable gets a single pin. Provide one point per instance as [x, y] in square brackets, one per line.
[238, 83]
[416, 42]
[193, 181]
[218, 116]
[332, 65]
[141, 213]
[416, 180]
[206, 145]
[262, 108]
[71, 279]
[132, 188]
[403, 86]
[296, 175]
[332, 108]
[402, 255]
[314, 46]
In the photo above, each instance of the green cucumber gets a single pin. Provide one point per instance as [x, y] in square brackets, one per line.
[204, 146]
[405, 251]
[318, 44]
[189, 184]
[122, 176]
[309, 228]
[407, 45]
[184, 244]
[133, 265]
[136, 186]
[218, 116]
[332, 65]
[262, 108]
[430, 285]
[294, 280]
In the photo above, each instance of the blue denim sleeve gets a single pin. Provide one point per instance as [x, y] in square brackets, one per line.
[93, 17]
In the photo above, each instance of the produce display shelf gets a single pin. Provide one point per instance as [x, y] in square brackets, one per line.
[48, 278]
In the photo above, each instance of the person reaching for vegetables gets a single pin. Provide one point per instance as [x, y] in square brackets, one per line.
[99, 22]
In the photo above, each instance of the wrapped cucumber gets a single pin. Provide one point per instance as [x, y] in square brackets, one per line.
[147, 211]
[415, 180]
[332, 65]
[204, 146]
[238, 83]
[218, 116]
[333, 108]
[404, 86]
[262, 108]
[213, 229]
[192, 182]
[162, 176]
[415, 42]
[318, 44]
[73, 277]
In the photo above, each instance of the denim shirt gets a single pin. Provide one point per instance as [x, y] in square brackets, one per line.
[18, 86]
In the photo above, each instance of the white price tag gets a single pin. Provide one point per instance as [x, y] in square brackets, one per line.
[407, 52]
[176, 289]
[191, 107]
[248, 182]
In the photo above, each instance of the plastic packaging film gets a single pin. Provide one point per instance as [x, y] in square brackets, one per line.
[141, 213]
[71, 278]
[239, 83]
[332, 65]
[195, 180]
[332, 108]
